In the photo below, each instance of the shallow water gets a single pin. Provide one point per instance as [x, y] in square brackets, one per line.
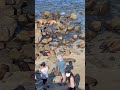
[63, 7]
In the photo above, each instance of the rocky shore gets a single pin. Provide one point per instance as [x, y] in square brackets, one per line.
[16, 44]
[56, 33]
[102, 44]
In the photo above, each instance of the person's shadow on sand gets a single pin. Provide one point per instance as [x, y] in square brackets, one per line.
[77, 80]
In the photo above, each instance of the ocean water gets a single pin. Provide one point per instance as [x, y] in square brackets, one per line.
[63, 7]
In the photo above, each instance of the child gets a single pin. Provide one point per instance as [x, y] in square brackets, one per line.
[44, 74]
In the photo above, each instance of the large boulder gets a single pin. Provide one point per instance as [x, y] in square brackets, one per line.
[45, 41]
[90, 81]
[102, 7]
[28, 50]
[7, 11]
[23, 66]
[3, 69]
[10, 2]
[1, 45]
[3, 52]
[95, 26]
[15, 54]
[111, 45]
[90, 35]
[82, 36]
[13, 44]
[2, 3]
[89, 4]
[47, 14]
[71, 27]
[20, 87]
[97, 7]
[77, 28]
[73, 16]
[7, 27]
[113, 25]
[22, 18]
[23, 36]
[38, 35]
[4, 34]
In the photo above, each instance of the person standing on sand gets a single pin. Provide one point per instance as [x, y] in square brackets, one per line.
[61, 65]
[44, 74]
[71, 79]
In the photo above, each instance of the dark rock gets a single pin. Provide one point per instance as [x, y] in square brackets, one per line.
[22, 18]
[23, 36]
[4, 52]
[20, 87]
[4, 34]
[2, 3]
[13, 44]
[90, 35]
[23, 66]
[102, 7]
[97, 7]
[90, 81]
[15, 54]
[113, 25]
[3, 69]
[10, 2]
[7, 11]
[95, 26]
[90, 4]
[112, 45]
[7, 28]
[28, 51]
